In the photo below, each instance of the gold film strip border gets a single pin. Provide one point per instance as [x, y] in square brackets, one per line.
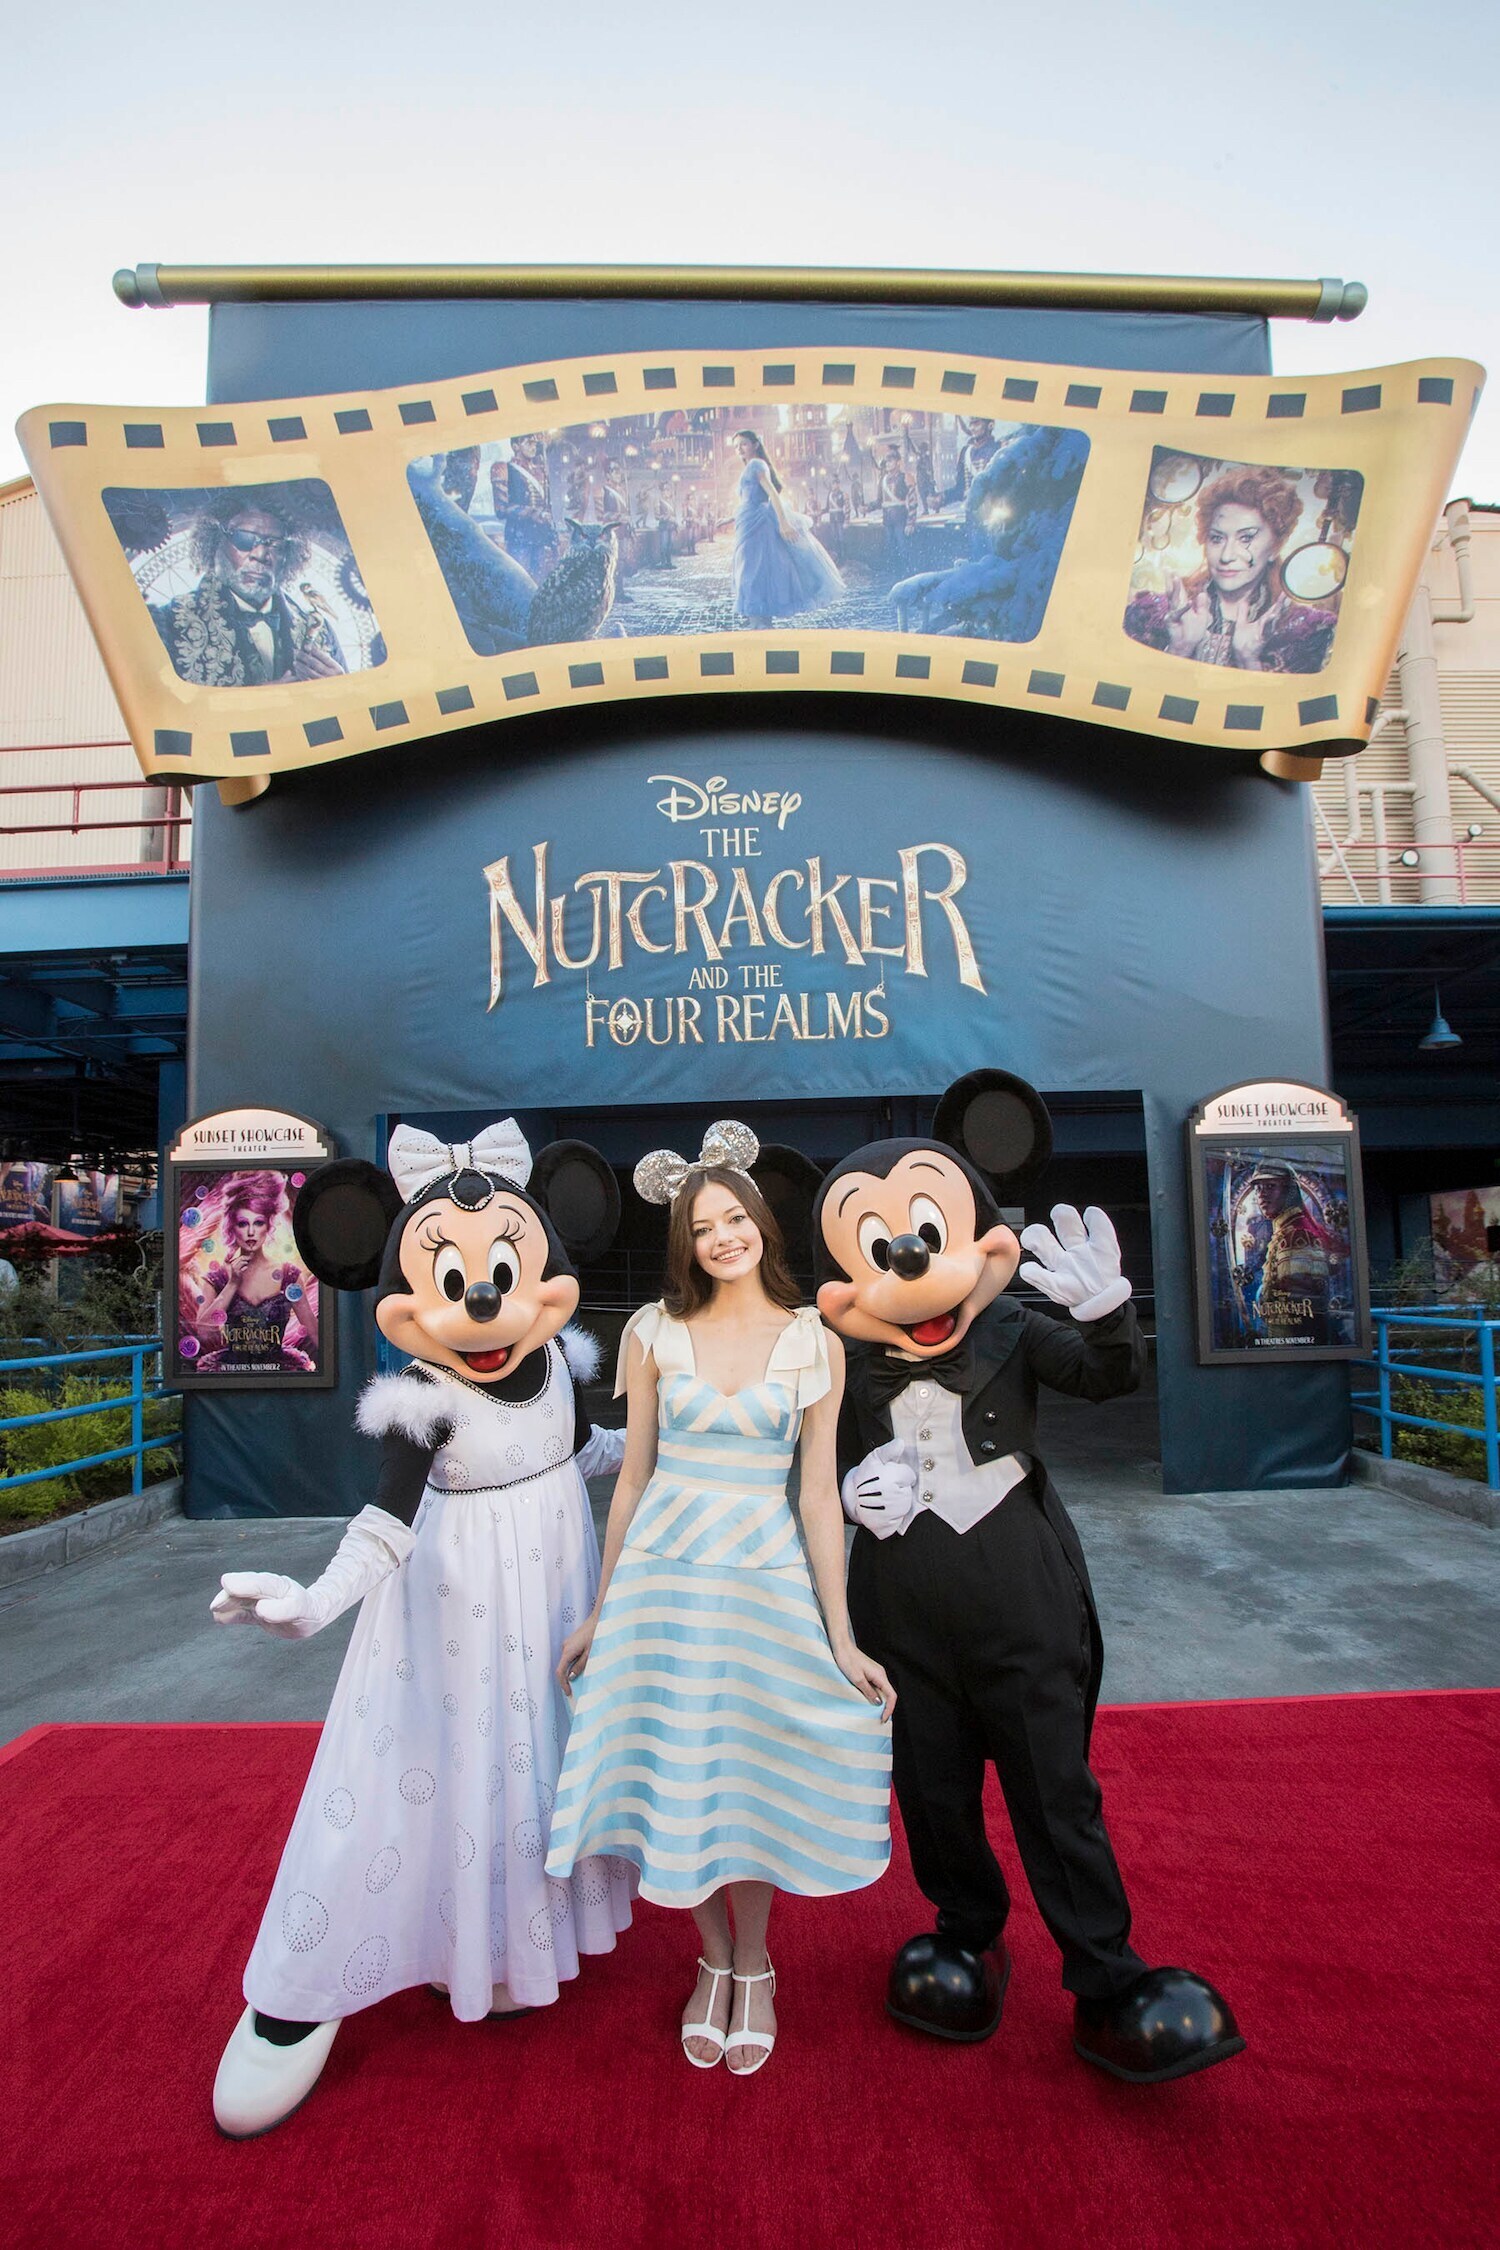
[1400, 427]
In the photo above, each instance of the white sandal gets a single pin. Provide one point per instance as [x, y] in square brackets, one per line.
[708, 2032]
[765, 2040]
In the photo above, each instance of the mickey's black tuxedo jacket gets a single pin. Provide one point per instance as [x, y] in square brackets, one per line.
[1015, 1351]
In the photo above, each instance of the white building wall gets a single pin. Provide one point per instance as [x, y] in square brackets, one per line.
[1469, 692]
[55, 697]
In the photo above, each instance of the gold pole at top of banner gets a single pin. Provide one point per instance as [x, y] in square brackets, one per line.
[1323, 299]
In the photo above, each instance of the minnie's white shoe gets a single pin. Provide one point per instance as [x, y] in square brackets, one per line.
[708, 2031]
[764, 2040]
[259, 2083]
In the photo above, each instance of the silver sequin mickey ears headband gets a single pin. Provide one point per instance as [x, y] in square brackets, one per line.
[659, 1176]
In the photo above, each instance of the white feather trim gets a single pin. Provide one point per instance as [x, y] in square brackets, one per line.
[409, 1404]
[582, 1353]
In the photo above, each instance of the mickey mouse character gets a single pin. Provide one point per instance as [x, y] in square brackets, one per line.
[416, 1855]
[967, 1580]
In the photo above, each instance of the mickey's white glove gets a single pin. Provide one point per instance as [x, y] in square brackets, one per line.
[881, 1494]
[601, 1453]
[1080, 1263]
[374, 1545]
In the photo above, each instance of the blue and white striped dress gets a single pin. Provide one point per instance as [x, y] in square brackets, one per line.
[714, 1739]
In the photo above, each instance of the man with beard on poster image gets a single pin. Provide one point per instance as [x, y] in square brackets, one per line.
[1287, 1301]
[239, 627]
[967, 1580]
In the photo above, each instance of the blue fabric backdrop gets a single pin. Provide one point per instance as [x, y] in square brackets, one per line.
[1141, 919]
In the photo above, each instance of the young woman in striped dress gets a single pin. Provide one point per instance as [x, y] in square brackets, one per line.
[729, 1738]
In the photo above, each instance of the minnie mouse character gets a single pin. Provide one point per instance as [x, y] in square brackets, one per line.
[967, 1580]
[416, 1855]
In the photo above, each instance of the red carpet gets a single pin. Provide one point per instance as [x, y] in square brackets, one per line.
[1330, 1863]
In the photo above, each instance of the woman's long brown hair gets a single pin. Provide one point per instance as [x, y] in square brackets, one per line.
[688, 1288]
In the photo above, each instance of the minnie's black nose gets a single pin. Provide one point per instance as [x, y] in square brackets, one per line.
[910, 1257]
[481, 1300]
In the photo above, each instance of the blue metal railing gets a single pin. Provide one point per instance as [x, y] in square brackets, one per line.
[1467, 1327]
[137, 1350]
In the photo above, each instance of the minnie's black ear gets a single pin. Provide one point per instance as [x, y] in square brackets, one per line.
[999, 1123]
[789, 1181]
[580, 1195]
[343, 1214]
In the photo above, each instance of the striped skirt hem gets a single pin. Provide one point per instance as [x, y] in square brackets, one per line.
[716, 1741]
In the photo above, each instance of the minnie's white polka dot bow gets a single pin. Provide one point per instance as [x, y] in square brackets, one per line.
[417, 1158]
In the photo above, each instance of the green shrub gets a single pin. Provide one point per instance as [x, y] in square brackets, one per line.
[1441, 1402]
[120, 1296]
[46, 1443]
[1412, 1281]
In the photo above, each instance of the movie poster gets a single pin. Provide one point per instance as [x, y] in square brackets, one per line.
[1278, 1221]
[247, 1310]
[89, 1204]
[1281, 1255]
[840, 518]
[1466, 1237]
[251, 584]
[25, 1194]
[1242, 566]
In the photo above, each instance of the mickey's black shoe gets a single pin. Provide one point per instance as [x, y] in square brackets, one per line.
[1165, 2025]
[941, 1987]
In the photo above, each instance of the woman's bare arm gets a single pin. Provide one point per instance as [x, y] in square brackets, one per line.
[823, 1529]
[634, 1476]
[639, 1462]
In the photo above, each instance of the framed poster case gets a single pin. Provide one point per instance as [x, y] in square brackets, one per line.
[240, 1310]
[1280, 1270]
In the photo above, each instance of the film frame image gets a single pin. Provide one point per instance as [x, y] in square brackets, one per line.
[839, 518]
[248, 584]
[1242, 565]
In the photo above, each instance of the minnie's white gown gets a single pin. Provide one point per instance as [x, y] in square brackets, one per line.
[416, 1855]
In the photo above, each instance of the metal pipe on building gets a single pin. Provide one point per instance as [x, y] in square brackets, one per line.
[1426, 752]
[1460, 532]
[1480, 788]
[1324, 299]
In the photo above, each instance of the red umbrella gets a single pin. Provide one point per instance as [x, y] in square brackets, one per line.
[33, 1238]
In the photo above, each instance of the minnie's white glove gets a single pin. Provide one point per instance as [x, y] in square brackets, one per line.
[374, 1545]
[1080, 1263]
[881, 1494]
[601, 1453]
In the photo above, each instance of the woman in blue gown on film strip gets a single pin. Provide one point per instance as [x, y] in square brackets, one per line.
[779, 568]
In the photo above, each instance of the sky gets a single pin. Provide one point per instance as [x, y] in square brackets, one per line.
[1348, 138]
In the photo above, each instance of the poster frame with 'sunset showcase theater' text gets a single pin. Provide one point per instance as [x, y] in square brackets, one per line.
[253, 1160]
[1274, 1175]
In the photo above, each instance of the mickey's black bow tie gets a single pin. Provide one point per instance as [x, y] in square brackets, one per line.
[889, 1374]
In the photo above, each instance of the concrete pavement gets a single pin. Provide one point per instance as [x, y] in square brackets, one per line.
[1202, 1597]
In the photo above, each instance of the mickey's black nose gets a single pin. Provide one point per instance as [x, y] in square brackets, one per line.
[481, 1300]
[910, 1257]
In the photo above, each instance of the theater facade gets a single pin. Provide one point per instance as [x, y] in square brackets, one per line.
[625, 712]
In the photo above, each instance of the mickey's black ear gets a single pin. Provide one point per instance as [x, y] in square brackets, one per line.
[998, 1122]
[342, 1216]
[580, 1195]
[789, 1181]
